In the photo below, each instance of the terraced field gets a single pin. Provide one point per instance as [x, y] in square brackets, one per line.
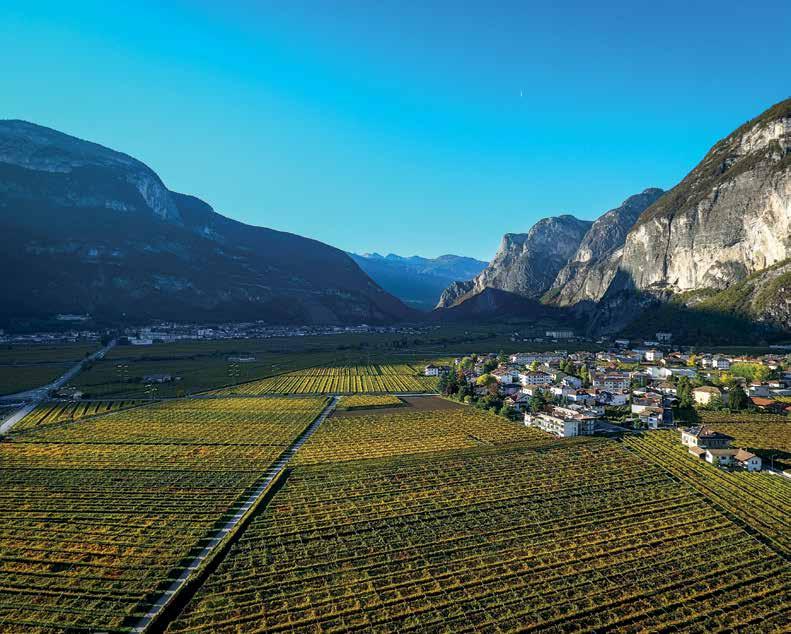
[96, 516]
[350, 379]
[582, 536]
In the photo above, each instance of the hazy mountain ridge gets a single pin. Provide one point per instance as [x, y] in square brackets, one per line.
[88, 229]
[416, 280]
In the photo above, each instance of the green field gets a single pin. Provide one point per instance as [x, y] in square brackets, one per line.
[31, 366]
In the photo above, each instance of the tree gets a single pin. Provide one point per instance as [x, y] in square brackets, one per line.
[692, 361]
[537, 403]
[533, 367]
[487, 381]
[584, 375]
[684, 392]
[737, 398]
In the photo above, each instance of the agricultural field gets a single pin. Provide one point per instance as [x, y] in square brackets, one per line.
[199, 366]
[96, 516]
[369, 401]
[767, 435]
[760, 500]
[582, 536]
[343, 380]
[31, 366]
[393, 432]
[59, 412]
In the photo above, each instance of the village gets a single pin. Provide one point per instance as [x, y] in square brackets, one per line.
[630, 387]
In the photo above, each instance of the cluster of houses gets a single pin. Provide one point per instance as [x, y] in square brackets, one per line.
[641, 380]
[715, 448]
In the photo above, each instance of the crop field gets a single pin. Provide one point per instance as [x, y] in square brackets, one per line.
[24, 367]
[396, 432]
[96, 516]
[582, 536]
[344, 380]
[59, 412]
[369, 401]
[713, 418]
[762, 501]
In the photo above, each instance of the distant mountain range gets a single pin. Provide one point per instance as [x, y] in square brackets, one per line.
[417, 281]
[712, 254]
[86, 229]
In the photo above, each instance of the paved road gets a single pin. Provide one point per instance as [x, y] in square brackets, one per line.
[31, 398]
[268, 476]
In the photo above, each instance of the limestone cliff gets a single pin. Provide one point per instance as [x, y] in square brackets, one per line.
[589, 272]
[526, 264]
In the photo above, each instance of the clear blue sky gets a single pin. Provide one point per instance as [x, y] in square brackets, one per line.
[398, 126]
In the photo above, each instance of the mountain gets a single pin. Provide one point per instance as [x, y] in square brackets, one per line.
[526, 264]
[86, 229]
[728, 220]
[590, 270]
[712, 254]
[417, 281]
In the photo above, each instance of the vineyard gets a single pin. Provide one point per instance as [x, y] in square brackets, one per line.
[341, 380]
[761, 501]
[397, 432]
[369, 401]
[582, 536]
[59, 412]
[96, 516]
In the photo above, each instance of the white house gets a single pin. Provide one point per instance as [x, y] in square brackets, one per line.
[747, 460]
[653, 354]
[559, 334]
[622, 343]
[720, 456]
[612, 381]
[534, 378]
[706, 395]
[664, 337]
[705, 437]
[562, 423]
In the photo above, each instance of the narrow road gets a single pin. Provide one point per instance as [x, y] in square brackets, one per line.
[268, 476]
[31, 398]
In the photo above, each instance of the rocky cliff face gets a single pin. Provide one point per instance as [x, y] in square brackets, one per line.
[526, 264]
[589, 272]
[85, 229]
[730, 217]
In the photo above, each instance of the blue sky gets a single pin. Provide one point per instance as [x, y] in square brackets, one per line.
[408, 127]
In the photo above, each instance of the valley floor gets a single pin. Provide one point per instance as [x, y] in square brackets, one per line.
[398, 514]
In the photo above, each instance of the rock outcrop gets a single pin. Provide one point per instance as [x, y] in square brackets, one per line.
[526, 264]
[588, 273]
[730, 217]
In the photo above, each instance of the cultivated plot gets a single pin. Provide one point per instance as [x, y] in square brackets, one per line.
[342, 380]
[97, 515]
[577, 537]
